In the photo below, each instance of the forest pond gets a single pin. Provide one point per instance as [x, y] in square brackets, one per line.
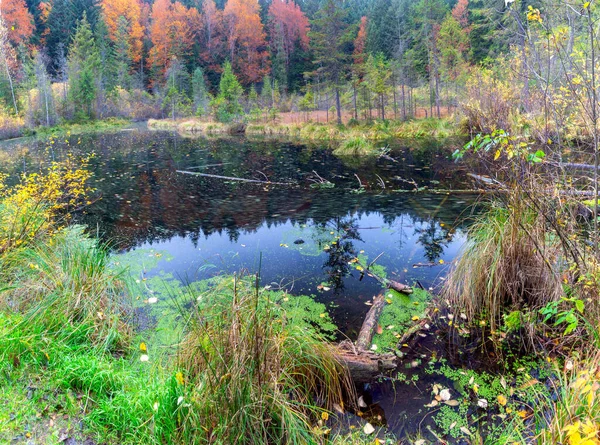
[303, 201]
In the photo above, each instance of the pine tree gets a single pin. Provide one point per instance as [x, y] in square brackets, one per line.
[122, 54]
[331, 43]
[378, 74]
[84, 64]
[227, 104]
[60, 25]
[266, 94]
[106, 74]
[200, 93]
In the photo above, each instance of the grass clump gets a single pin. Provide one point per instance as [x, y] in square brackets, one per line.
[253, 375]
[506, 266]
[355, 146]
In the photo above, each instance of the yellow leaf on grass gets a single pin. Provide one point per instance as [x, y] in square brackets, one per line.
[179, 378]
[325, 415]
[502, 400]
[143, 347]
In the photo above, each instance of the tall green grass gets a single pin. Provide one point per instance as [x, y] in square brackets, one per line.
[252, 375]
[506, 265]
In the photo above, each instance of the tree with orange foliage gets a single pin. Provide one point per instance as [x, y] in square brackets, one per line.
[171, 33]
[18, 21]
[246, 42]
[460, 12]
[131, 10]
[212, 39]
[360, 41]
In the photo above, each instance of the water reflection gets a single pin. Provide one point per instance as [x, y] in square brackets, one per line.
[207, 221]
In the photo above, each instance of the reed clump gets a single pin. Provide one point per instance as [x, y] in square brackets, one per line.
[253, 375]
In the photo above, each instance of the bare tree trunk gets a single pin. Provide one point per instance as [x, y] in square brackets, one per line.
[403, 103]
[354, 99]
[594, 104]
[338, 105]
[395, 103]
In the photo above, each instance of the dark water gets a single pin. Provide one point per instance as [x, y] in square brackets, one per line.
[213, 225]
[303, 236]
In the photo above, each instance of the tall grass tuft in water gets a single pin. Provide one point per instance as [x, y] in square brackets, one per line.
[508, 264]
[254, 376]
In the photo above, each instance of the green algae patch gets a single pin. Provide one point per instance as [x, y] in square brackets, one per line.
[399, 314]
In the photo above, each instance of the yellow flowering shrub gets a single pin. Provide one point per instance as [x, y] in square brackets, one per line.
[41, 203]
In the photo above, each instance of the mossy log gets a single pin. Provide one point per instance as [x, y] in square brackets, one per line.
[364, 366]
[399, 287]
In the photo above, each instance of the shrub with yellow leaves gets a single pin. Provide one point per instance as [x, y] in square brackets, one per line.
[41, 203]
[576, 413]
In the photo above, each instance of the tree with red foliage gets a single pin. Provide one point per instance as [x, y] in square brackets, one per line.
[246, 42]
[18, 21]
[288, 23]
[171, 33]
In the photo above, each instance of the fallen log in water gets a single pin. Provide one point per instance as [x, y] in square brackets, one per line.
[363, 366]
[367, 331]
[399, 287]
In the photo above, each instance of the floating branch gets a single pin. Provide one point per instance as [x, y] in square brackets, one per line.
[232, 178]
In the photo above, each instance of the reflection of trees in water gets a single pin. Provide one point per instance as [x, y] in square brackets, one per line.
[145, 200]
[342, 251]
[434, 238]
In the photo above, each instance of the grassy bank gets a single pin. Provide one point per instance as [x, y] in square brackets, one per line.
[357, 138]
[93, 126]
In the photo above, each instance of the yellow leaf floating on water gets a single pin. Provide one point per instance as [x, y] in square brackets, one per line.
[179, 378]
[359, 268]
[441, 261]
[322, 315]
[388, 300]
[502, 400]
[143, 347]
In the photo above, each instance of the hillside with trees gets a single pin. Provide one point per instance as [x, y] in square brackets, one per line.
[378, 59]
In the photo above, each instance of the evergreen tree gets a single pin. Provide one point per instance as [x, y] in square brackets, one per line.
[378, 74]
[63, 21]
[84, 63]
[226, 105]
[266, 94]
[331, 41]
[200, 94]
[122, 54]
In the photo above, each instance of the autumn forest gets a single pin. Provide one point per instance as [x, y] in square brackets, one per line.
[328, 222]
